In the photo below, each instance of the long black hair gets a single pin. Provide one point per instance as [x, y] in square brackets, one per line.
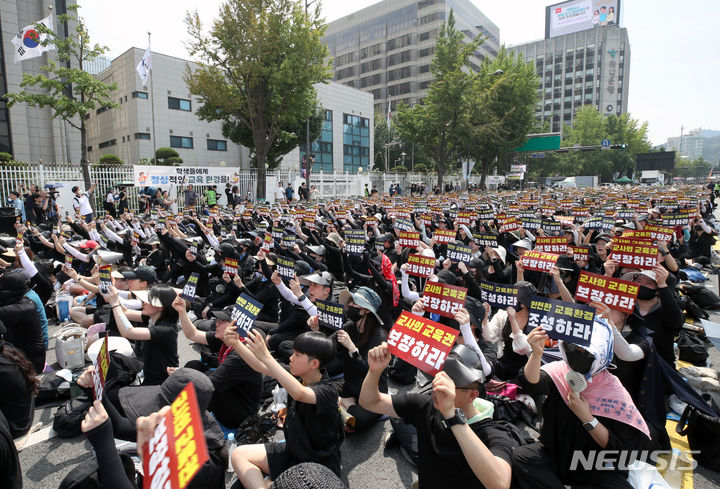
[166, 295]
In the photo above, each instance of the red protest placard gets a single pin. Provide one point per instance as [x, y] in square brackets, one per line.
[231, 266]
[267, 242]
[445, 235]
[539, 261]
[660, 233]
[420, 266]
[443, 299]
[177, 449]
[421, 342]
[639, 255]
[510, 225]
[102, 364]
[579, 253]
[551, 244]
[635, 234]
[409, 239]
[617, 294]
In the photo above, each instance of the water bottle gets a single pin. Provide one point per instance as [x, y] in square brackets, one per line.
[231, 445]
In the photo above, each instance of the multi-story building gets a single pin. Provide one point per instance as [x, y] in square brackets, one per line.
[688, 145]
[31, 134]
[590, 66]
[386, 49]
[129, 131]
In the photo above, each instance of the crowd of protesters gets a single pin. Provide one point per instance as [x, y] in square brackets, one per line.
[337, 380]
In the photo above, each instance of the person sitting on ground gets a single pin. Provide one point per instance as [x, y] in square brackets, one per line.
[313, 429]
[18, 384]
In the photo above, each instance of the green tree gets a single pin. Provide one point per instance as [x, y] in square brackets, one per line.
[505, 96]
[63, 86]
[166, 157]
[258, 64]
[288, 138]
[439, 126]
[5, 157]
[699, 168]
[110, 159]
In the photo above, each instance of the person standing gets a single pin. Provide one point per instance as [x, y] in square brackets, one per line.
[211, 196]
[289, 193]
[303, 192]
[81, 202]
[229, 195]
[122, 201]
[17, 203]
[279, 193]
[109, 203]
[191, 197]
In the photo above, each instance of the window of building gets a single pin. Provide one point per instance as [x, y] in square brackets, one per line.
[216, 145]
[89, 149]
[323, 147]
[344, 59]
[356, 143]
[142, 135]
[345, 73]
[370, 66]
[398, 42]
[181, 142]
[179, 104]
[424, 36]
[107, 144]
[399, 89]
[426, 19]
[102, 109]
[400, 73]
[424, 69]
[139, 95]
[402, 57]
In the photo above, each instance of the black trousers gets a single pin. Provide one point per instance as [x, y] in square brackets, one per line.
[533, 467]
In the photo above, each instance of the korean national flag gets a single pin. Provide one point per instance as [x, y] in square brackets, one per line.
[143, 68]
[28, 42]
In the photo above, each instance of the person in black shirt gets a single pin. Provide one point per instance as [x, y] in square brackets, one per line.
[238, 388]
[456, 448]
[18, 385]
[10, 472]
[312, 426]
[159, 337]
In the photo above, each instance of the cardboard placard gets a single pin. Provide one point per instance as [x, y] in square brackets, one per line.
[231, 266]
[678, 219]
[639, 235]
[485, 239]
[539, 261]
[355, 241]
[403, 224]
[531, 222]
[330, 314]
[102, 364]
[445, 235]
[288, 241]
[421, 342]
[443, 299]
[459, 253]
[277, 232]
[268, 243]
[409, 239]
[579, 253]
[642, 255]
[562, 320]
[617, 294]
[190, 288]
[105, 279]
[625, 214]
[420, 266]
[509, 225]
[551, 244]
[498, 296]
[599, 222]
[244, 313]
[177, 449]
[286, 267]
[659, 233]
[551, 227]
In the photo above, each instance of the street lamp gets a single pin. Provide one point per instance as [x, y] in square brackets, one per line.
[387, 153]
[403, 155]
[308, 159]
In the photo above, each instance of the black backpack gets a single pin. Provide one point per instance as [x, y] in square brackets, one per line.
[692, 348]
[68, 417]
[86, 475]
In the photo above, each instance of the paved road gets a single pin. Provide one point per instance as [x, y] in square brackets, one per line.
[366, 463]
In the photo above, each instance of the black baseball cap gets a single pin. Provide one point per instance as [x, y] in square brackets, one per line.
[145, 273]
[224, 314]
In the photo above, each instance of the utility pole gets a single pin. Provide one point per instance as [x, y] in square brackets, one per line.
[152, 103]
[308, 159]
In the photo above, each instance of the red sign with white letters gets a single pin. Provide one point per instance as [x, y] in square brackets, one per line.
[420, 266]
[177, 449]
[409, 239]
[551, 244]
[421, 342]
[539, 261]
[617, 294]
[443, 299]
[640, 255]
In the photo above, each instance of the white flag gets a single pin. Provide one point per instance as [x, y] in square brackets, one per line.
[389, 116]
[28, 42]
[144, 67]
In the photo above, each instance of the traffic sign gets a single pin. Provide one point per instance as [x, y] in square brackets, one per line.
[537, 155]
[605, 144]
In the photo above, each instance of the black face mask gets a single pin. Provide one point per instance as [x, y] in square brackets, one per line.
[578, 360]
[353, 313]
[646, 293]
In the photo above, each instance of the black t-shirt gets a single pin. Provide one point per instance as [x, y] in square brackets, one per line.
[16, 403]
[631, 373]
[160, 351]
[442, 463]
[10, 473]
[313, 431]
[238, 388]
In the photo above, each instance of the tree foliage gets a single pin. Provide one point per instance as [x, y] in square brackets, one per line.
[110, 159]
[166, 157]
[589, 128]
[63, 86]
[441, 125]
[699, 168]
[258, 63]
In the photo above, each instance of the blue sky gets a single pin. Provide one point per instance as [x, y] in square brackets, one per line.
[674, 71]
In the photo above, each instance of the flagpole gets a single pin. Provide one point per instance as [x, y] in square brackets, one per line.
[152, 103]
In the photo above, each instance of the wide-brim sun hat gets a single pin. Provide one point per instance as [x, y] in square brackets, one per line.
[363, 297]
